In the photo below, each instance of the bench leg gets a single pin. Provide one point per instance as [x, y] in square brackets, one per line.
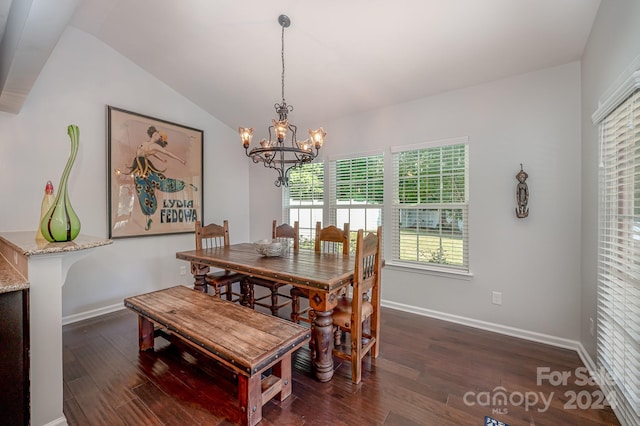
[283, 370]
[145, 334]
[250, 397]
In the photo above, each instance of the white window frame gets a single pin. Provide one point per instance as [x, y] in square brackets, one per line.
[426, 265]
[307, 214]
[618, 307]
[373, 212]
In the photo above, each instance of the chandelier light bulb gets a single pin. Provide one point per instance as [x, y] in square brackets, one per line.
[317, 136]
[246, 133]
[281, 129]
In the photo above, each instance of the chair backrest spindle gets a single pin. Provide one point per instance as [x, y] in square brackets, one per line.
[212, 235]
[367, 268]
[332, 239]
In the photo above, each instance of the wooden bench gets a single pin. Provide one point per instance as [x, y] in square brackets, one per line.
[245, 341]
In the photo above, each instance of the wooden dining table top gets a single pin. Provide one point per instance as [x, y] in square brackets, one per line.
[325, 272]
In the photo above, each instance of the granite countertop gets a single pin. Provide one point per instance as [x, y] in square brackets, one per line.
[26, 244]
[10, 279]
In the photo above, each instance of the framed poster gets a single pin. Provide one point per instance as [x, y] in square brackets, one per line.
[154, 175]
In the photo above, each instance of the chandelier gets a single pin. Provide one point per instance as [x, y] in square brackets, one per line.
[276, 153]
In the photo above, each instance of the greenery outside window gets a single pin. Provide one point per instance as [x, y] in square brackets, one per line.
[431, 205]
[357, 193]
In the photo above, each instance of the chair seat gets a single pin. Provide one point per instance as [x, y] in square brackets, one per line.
[266, 283]
[221, 278]
[342, 312]
[298, 314]
[300, 292]
[224, 280]
[273, 296]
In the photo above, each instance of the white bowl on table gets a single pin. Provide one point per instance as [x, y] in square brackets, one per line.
[271, 248]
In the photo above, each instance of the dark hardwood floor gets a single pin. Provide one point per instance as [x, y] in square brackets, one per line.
[429, 372]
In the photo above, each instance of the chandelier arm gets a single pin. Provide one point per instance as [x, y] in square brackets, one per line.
[294, 131]
[260, 150]
[259, 159]
[288, 171]
[282, 176]
[304, 155]
[268, 154]
[269, 163]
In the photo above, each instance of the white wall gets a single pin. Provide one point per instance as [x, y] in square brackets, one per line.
[81, 77]
[547, 279]
[532, 119]
[613, 45]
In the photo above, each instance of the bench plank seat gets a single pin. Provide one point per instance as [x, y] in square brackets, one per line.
[245, 341]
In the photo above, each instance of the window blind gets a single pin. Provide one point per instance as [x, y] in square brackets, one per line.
[618, 338]
[357, 192]
[430, 205]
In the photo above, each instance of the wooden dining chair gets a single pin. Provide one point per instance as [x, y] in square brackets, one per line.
[359, 315]
[212, 236]
[286, 234]
[330, 239]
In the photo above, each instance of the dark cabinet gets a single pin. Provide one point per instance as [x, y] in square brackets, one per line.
[14, 357]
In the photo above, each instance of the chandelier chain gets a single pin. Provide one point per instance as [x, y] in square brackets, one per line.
[282, 57]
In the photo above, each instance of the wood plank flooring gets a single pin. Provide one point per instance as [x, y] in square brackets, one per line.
[429, 372]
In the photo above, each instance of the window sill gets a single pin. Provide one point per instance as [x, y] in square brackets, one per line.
[418, 269]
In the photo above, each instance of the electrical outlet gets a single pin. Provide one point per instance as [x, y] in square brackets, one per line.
[183, 270]
[496, 298]
[592, 327]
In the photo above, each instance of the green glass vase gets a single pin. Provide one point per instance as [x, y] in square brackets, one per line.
[61, 223]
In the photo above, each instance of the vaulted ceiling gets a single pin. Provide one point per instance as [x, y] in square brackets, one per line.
[341, 57]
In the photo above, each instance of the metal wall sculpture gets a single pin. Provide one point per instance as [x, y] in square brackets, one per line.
[522, 194]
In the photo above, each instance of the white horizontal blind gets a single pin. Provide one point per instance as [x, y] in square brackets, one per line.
[431, 207]
[303, 200]
[619, 258]
[357, 192]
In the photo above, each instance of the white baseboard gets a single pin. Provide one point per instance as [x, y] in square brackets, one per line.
[60, 421]
[488, 326]
[70, 319]
[586, 358]
[483, 325]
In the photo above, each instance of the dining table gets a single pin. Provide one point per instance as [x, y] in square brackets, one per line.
[324, 275]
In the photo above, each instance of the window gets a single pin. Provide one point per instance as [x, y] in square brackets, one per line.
[430, 201]
[618, 338]
[356, 193]
[304, 200]
[430, 205]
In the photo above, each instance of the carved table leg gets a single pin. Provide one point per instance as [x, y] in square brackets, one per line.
[323, 337]
[295, 305]
[246, 289]
[199, 273]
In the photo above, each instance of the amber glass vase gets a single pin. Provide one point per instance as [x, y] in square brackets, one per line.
[61, 223]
